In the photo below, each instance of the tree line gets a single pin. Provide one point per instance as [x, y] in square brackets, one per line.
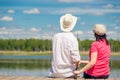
[45, 45]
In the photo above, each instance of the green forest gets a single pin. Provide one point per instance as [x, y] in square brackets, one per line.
[45, 45]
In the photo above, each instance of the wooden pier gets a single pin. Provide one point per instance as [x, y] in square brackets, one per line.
[43, 78]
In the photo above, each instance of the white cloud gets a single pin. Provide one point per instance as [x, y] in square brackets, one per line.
[67, 10]
[52, 28]
[32, 11]
[111, 32]
[19, 33]
[113, 35]
[9, 31]
[6, 18]
[85, 35]
[78, 32]
[34, 30]
[3, 28]
[11, 11]
[108, 6]
[92, 11]
[90, 32]
[117, 28]
[71, 1]
[4, 32]
[98, 13]
[46, 37]
[112, 24]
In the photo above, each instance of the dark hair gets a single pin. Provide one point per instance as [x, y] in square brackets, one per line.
[101, 37]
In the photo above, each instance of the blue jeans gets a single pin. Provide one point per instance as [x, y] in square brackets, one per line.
[86, 76]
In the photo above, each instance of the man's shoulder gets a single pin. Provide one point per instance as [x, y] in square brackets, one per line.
[57, 34]
[61, 34]
[64, 35]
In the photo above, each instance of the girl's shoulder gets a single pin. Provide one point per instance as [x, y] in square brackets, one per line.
[95, 43]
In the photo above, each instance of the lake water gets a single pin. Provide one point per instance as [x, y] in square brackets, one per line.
[40, 65]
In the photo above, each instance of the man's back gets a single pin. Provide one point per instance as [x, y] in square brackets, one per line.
[65, 53]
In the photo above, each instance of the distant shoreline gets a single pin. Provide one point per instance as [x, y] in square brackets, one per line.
[25, 52]
[82, 53]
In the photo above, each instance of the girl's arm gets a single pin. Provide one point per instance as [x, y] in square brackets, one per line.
[90, 63]
[83, 62]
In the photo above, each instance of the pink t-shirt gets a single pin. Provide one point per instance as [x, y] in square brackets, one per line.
[101, 67]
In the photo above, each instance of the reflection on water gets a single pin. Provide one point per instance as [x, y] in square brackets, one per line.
[23, 72]
[27, 64]
[31, 66]
[25, 67]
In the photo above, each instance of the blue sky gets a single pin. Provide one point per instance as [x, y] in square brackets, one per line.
[40, 18]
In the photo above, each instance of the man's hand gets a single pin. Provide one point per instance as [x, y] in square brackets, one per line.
[77, 72]
[77, 64]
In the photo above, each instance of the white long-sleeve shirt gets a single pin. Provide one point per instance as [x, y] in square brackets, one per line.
[65, 53]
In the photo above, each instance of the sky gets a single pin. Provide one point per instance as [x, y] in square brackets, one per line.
[24, 19]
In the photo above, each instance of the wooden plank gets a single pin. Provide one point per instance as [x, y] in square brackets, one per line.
[44, 78]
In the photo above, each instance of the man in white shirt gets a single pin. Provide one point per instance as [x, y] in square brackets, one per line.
[66, 55]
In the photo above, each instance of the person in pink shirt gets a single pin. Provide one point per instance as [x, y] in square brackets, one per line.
[97, 67]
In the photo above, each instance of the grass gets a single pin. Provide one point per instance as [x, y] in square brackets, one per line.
[25, 53]
[82, 53]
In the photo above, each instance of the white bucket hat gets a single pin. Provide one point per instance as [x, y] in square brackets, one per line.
[99, 29]
[67, 22]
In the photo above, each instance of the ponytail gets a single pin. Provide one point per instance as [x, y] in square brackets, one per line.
[101, 37]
